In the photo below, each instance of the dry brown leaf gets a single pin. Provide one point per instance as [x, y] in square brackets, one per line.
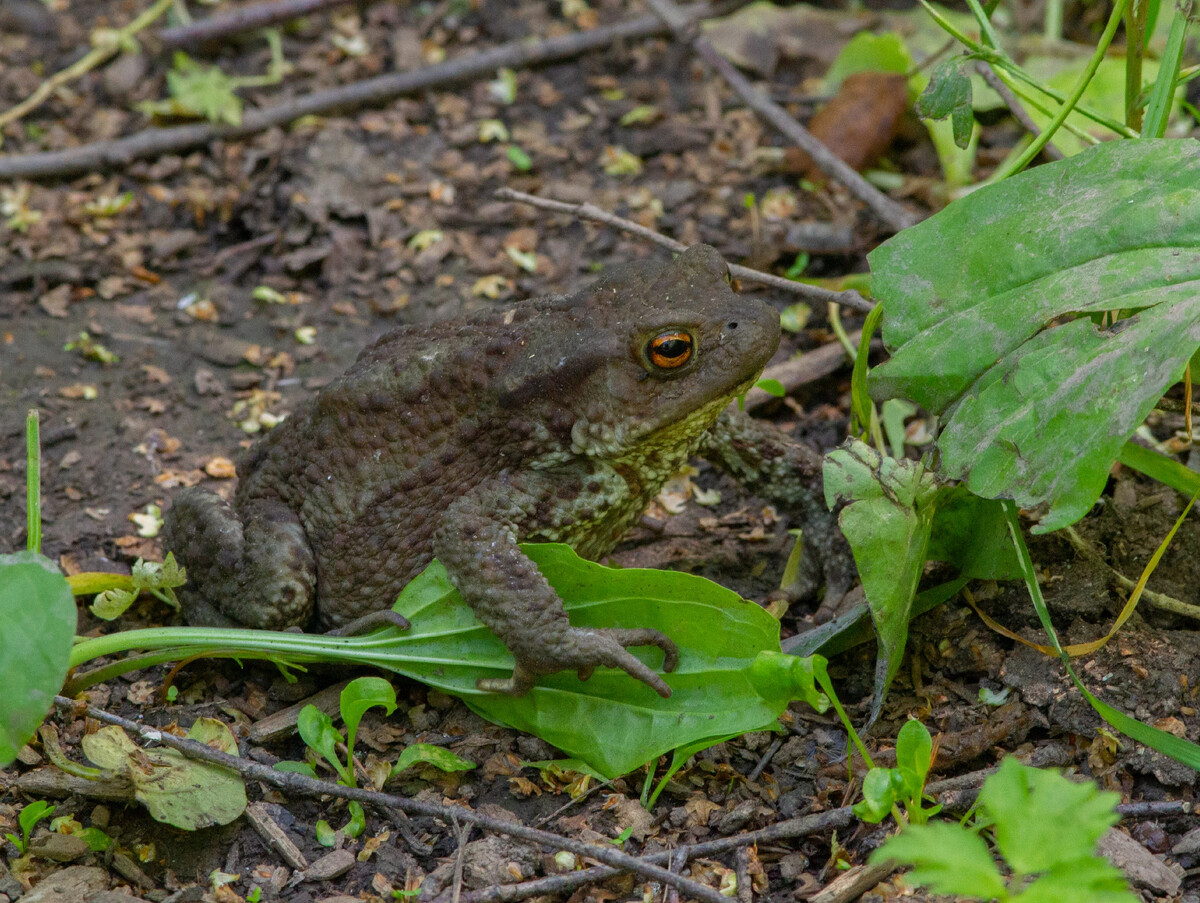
[858, 125]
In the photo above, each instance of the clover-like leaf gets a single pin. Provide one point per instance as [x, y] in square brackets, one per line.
[948, 94]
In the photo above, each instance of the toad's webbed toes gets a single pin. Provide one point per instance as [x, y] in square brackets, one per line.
[645, 636]
[582, 651]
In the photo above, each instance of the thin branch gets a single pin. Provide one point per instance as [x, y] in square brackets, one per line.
[848, 298]
[792, 828]
[799, 371]
[891, 213]
[302, 785]
[245, 18]
[155, 142]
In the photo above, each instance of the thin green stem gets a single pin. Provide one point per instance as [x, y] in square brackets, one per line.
[1052, 24]
[33, 481]
[1135, 48]
[826, 686]
[1035, 148]
[984, 21]
[1029, 100]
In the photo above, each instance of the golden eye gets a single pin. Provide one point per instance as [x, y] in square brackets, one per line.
[670, 350]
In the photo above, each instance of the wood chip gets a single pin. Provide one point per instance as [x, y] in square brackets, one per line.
[259, 815]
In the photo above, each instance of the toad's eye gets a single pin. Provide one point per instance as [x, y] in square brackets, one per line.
[728, 275]
[670, 350]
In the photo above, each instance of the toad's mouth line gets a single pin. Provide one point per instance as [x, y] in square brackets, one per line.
[693, 423]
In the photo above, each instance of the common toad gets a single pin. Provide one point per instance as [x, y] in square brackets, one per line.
[558, 420]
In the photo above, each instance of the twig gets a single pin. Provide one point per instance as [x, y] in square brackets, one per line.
[891, 213]
[301, 785]
[246, 18]
[107, 46]
[573, 801]
[765, 760]
[742, 870]
[804, 826]
[848, 298]
[678, 860]
[808, 367]
[1015, 107]
[1155, 808]
[154, 142]
[854, 883]
[1158, 600]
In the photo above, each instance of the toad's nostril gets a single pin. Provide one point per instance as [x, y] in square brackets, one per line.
[733, 325]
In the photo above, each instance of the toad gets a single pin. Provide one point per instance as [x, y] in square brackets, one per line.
[558, 420]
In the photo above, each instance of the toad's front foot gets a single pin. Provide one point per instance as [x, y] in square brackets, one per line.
[582, 650]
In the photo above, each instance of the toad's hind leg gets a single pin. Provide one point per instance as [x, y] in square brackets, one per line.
[252, 570]
[477, 544]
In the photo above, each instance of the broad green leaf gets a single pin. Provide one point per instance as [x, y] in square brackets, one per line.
[732, 676]
[1036, 409]
[971, 534]
[946, 858]
[428, 754]
[1042, 819]
[37, 626]
[887, 518]
[361, 694]
[175, 790]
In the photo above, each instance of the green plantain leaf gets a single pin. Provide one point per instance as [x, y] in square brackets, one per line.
[982, 305]
[731, 678]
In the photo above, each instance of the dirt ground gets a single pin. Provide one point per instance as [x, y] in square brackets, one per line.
[336, 216]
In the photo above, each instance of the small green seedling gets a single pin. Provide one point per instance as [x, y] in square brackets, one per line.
[317, 730]
[29, 816]
[1046, 828]
[891, 789]
[328, 837]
